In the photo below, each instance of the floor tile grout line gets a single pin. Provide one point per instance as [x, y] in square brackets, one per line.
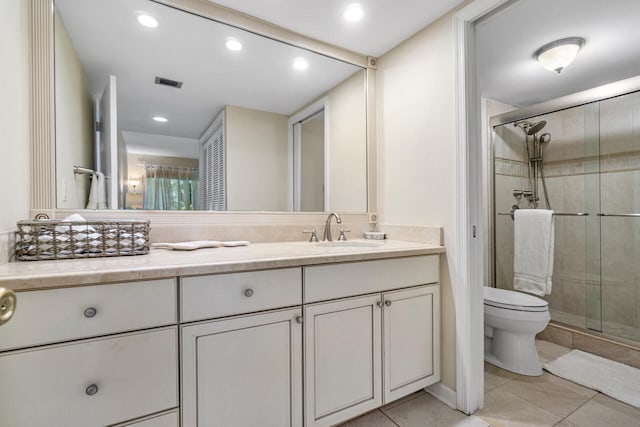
[578, 408]
[389, 418]
[391, 405]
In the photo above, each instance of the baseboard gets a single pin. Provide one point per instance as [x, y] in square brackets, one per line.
[443, 394]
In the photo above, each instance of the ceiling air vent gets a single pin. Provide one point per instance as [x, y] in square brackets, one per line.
[168, 82]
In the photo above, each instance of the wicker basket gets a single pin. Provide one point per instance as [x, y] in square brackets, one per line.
[54, 239]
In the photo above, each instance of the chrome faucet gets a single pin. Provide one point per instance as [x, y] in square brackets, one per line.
[327, 226]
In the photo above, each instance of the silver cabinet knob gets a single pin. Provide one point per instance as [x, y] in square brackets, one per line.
[91, 389]
[379, 304]
[248, 292]
[90, 312]
[299, 319]
[387, 303]
[8, 302]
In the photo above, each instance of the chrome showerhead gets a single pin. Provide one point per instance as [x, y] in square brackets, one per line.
[536, 127]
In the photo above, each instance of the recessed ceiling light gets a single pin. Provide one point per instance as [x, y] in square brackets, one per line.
[160, 119]
[300, 64]
[353, 12]
[233, 44]
[147, 20]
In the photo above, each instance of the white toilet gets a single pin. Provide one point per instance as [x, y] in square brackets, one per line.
[511, 321]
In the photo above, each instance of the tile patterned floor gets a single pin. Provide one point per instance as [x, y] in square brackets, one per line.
[512, 400]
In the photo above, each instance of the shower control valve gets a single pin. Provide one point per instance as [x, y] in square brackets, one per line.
[518, 194]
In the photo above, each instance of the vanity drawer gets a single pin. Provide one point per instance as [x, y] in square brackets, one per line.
[91, 383]
[324, 282]
[55, 315]
[206, 297]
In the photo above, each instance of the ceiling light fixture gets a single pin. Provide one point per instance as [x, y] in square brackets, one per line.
[353, 12]
[160, 119]
[557, 55]
[147, 21]
[300, 64]
[233, 44]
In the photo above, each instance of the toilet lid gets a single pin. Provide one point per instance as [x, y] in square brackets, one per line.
[513, 300]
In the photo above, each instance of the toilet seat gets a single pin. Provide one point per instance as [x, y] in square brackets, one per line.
[513, 300]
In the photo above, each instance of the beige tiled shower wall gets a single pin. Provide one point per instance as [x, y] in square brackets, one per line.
[592, 164]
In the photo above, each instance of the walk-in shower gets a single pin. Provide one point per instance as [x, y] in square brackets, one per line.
[583, 162]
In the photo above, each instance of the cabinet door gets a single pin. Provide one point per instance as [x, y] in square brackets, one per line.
[342, 359]
[411, 329]
[245, 371]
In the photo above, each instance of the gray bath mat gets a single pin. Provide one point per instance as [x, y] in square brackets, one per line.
[622, 382]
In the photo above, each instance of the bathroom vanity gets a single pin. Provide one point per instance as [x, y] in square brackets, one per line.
[273, 334]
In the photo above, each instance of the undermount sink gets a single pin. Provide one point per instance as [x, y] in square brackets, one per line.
[350, 244]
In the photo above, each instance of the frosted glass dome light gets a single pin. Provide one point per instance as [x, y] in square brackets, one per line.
[557, 55]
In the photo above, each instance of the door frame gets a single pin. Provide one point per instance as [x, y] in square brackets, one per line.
[294, 174]
[470, 214]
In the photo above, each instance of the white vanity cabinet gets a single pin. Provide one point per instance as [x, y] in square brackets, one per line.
[366, 351]
[74, 380]
[242, 371]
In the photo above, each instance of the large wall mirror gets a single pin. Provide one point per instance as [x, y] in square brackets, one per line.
[157, 108]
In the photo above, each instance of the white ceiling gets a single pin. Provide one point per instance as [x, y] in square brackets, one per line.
[385, 23]
[188, 48]
[506, 42]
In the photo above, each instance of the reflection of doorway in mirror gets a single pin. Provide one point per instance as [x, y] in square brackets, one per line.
[312, 163]
[308, 155]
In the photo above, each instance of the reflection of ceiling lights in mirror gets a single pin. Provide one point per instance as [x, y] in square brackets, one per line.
[300, 64]
[353, 12]
[233, 44]
[558, 54]
[147, 21]
[160, 119]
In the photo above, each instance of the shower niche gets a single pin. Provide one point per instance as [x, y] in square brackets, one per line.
[584, 163]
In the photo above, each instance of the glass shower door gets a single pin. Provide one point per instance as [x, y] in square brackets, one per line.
[620, 222]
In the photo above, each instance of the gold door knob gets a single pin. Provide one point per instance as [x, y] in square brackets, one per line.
[8, 303]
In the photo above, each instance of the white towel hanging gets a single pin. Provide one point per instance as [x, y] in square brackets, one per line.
[102, 191]
[533, 250]
[93, 193]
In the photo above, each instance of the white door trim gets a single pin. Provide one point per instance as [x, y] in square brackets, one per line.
[470, 243]
[294, 196]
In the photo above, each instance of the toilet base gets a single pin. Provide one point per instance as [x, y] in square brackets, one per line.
[513, 352]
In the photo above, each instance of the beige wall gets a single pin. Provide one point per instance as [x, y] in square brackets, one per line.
[348, 145]
[74, 123]
[14, 114]
[416, 150]
[257, 156]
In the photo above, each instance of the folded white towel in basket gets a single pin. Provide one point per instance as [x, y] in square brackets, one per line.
[533, 250]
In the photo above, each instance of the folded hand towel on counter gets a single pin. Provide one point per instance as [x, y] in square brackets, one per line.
[75, 218]
[533, 250]
[198, 244]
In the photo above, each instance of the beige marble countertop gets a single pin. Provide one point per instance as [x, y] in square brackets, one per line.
[161, 263]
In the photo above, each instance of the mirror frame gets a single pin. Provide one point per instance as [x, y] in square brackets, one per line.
[42, 149]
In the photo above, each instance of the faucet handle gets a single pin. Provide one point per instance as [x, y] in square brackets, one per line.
[342, 236]
[314, 236]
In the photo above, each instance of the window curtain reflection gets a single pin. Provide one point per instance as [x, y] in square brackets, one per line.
[171, 188]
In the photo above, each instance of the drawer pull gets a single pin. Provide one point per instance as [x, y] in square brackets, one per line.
[248, 292]
[387, 302]
[8, 303]
[90, 312]
[91, 390]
